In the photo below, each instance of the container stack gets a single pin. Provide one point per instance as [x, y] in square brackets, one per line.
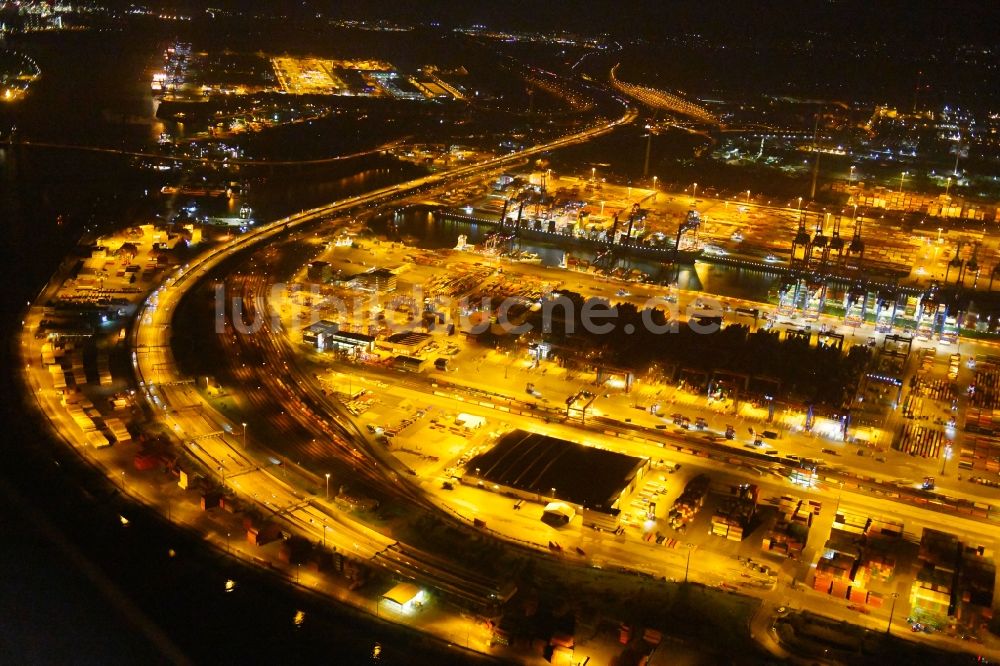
[920, 441]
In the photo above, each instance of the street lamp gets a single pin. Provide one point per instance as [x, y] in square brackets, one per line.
[947, 186]
[244, 436]
[748, 197]
[328, 485]
[902, 177]
[946, 457]
[695, 194]
[800, 205]
[593, 173]
[850, 178]
[654, 183]
[892, 609]
[687, 564]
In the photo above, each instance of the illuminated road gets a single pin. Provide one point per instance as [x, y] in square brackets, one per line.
[208, 437]
[660, 99]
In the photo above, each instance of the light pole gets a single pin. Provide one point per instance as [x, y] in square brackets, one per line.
[695, 190]
[800, 205]
[748, 197]
[850, 178]
[947, 186]
[892, 610]
[946, 457]
[244, 436]
[687, 563]
[328, 485]
[902, 177]
[593, 174]
[940, 229]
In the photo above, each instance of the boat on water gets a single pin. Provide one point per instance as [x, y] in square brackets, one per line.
[688, 253]
[528, 258]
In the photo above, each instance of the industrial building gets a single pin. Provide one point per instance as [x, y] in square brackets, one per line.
[546, 469]
[376, 280]
[326, 335]
[406, 343]
[319, 271]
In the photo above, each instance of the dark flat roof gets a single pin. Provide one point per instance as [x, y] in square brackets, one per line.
[583, 475]
[348, 335]
[323, 326]
[374, 273]
[408, 338]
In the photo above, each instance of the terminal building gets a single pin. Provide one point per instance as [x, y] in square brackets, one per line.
[376, 280]
[326, 335]
[406, 343]
[545, 469]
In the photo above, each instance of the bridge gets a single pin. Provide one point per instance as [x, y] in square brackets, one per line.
[666, 101]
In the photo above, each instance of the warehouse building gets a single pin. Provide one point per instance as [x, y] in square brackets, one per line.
[326, 335]
[547, 469]
[376, 280]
